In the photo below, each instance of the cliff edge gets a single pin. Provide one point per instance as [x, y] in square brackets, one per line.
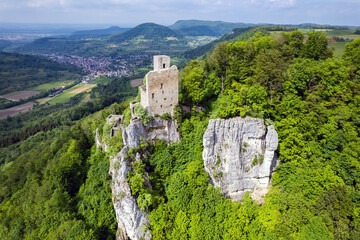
[131, 220]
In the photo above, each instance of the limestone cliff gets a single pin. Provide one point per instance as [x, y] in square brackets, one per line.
[239, 155]
[131, 220]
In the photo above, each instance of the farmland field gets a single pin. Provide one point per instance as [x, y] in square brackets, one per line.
[16, 110]
[66, 95]
[48, 86]
[62, 98]
[137, 82]
[83, 88]
[16, 96]
[43, 100]
[102, 80]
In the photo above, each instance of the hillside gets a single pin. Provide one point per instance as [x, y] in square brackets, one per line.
[147, 31]
[147, 38]
[201, 30]
[98, 33]
[217, 26]
[235, 35]
[55, 184]
[20, 72]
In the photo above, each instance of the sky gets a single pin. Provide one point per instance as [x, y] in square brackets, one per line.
[129, 13]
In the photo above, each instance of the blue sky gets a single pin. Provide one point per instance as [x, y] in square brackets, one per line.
[132, 12]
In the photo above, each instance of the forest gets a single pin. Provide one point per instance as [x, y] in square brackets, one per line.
[19, 72]
[55, 185]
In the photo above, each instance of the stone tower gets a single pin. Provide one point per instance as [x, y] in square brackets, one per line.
[160, 93]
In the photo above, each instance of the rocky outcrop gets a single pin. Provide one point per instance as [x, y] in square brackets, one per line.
[99, 141]
[157, 129]
[131, 220]
[129, 217]
[239, 155]
[161, 129]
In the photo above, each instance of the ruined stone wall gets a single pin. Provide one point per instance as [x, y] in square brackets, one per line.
[161, 62]
[162, 88]
[143, 94]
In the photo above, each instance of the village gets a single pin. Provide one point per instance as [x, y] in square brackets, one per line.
[102, 66]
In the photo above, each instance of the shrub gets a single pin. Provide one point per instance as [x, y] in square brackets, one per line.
[165, 116]
[141, 113]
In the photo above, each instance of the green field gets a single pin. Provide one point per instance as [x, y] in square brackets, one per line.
[339, 48]
[346, 34]
[306, 30]
[62, 98]
[51, 85]
[69, 93]
[102, 80]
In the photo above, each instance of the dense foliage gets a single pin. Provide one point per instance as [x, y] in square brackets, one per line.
[313, 100]
[19, 72]
[236, 34]
[55, 185]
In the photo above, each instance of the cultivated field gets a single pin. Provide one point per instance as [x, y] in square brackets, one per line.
[66, 95]
[102, 80]
[16, 96]
[82, 88]
[51, 85]
[43, 100]
[16, 110]
[137, 82]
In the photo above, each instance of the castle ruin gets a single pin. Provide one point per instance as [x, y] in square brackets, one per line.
[159, 95]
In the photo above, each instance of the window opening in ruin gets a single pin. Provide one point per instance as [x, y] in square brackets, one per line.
[170, 105]
[153, 95]
[161, 86]
[165, 99]
[163, 65]
[161, 106]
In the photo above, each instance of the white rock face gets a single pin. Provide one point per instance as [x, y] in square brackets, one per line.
[131, 220]
[238, 155]
[129, 217]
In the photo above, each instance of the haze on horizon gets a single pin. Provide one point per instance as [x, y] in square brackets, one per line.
[128, 13]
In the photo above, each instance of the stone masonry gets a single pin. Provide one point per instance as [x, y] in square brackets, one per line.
[160, 93]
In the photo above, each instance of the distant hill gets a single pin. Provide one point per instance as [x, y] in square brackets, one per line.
[199, 31]
[200, 51]
[147, 31]
[99, 33]
[217, 26]
[235, 35]
[147, 38]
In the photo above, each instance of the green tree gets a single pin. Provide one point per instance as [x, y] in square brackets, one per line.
[316, 46]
